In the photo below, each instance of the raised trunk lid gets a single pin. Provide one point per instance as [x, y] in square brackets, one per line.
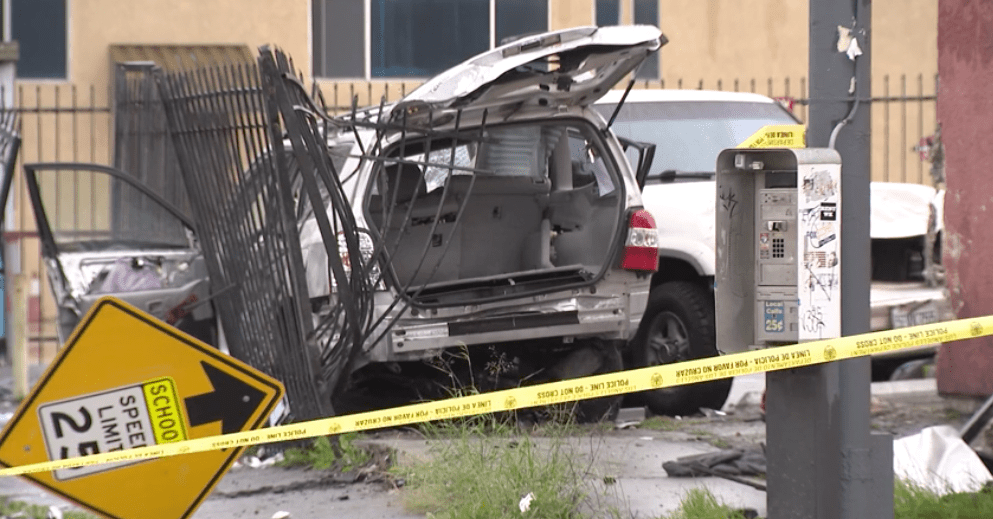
[561, 68]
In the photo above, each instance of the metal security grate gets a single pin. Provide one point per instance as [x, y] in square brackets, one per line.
[246, 227]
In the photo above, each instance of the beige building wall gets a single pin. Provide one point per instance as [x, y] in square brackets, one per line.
[563, 14]
[743, 39]
[96, 24]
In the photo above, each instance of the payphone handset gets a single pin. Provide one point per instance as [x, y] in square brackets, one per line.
[778, 247]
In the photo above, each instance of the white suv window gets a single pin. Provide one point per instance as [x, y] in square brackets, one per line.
[689, 135]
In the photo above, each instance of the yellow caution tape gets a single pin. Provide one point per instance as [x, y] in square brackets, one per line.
[619, 383]
[777, 136]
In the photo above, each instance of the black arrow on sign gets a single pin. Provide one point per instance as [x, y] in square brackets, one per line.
[232, 401]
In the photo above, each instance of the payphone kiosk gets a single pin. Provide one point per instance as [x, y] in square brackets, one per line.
[778, 245]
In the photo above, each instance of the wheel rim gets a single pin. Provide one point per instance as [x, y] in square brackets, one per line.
[667, 340]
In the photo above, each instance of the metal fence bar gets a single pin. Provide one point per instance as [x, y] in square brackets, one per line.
[920, 123]
[51, 119]
[237, 185]
[886, 127]
[903, 126]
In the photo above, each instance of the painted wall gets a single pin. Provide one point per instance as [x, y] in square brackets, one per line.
[96, 24]
[965, 109]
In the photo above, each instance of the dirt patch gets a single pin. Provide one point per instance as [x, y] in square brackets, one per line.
[909, 414]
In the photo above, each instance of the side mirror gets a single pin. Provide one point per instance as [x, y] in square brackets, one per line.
[646, 155]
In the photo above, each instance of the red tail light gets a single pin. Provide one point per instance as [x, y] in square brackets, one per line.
[641, 250]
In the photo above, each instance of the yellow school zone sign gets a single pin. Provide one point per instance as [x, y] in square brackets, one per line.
[123, 380]
[777, 136]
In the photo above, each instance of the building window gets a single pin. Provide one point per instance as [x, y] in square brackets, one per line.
[646, 12]
[608, 12]
[515, 18]
[413, 38]
[39, 27]
[423, 37]
[338, 35]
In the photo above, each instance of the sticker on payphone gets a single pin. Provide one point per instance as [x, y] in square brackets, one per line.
[775, 316]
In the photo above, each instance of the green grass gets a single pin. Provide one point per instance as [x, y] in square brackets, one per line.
[701, 504]
[320, 455]
[479, 478]
[952, 414]
[473, 473]
[10, 508]
[719, 443]
[909, 502]
[660, 423]
[913, 502]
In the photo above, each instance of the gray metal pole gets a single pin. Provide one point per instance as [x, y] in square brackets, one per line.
[840, 112]
[823, 461]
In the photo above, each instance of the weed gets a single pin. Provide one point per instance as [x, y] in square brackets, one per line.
[493, 466]
[321, 454]
[10, 508]
[483, 477]
[701, 504]
[720, 443]
[659, 423]
[952, 414]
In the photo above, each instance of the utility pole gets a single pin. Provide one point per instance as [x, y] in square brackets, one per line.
[823, 460]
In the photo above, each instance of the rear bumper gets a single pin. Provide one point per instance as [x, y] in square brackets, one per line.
[609, 316]
[896, 305]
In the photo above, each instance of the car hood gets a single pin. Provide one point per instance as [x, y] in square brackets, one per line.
[901, 210]
[561, 68]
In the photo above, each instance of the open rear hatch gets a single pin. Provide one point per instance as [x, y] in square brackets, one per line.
[562, 68]
[498, 212]
[471, 211]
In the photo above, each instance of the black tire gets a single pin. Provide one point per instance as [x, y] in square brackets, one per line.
[605, 408]
[678, 325]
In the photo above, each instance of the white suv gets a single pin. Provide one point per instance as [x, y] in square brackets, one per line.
[689, 128]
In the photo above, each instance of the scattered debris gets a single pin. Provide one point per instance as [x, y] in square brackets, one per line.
[728, 464]
[629, 417]
[256, 462]
[525, 503]
[712, 413]
[937, 459]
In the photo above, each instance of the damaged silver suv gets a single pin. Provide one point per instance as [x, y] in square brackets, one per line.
[489, 223]
[503, 212]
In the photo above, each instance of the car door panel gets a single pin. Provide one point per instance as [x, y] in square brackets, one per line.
[134, 246]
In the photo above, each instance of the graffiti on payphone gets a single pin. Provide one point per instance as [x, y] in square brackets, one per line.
[819, 290]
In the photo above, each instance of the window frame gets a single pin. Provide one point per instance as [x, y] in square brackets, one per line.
[367, 42]
[8, 26]
[657, 57]
[596, 10]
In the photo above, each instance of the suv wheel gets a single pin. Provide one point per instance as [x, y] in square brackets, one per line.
[678, 325]
[603, 409]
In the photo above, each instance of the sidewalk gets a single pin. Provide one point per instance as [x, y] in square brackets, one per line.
[634, 456]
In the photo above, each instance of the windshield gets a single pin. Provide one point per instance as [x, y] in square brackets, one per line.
[689, 135]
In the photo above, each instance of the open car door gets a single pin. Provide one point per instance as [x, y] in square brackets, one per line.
[104, 233]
